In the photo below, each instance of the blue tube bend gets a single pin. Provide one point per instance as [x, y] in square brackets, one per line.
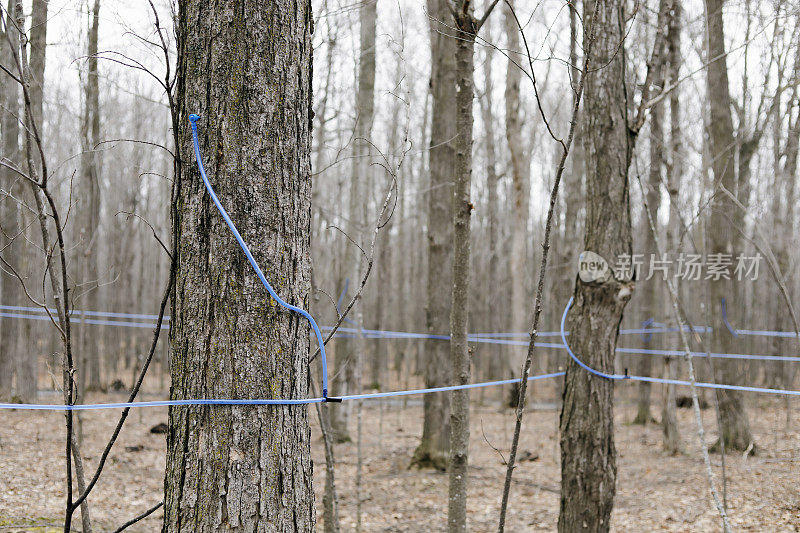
[193, 118]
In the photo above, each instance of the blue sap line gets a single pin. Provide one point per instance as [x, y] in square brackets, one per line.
[475, 338]
[168, 403]
[193, 118]
[660, 380]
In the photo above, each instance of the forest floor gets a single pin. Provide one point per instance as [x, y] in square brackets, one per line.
[654, 491]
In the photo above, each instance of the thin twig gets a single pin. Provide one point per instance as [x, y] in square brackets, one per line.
[142, 516]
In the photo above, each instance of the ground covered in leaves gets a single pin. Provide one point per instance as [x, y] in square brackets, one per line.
[654, 491]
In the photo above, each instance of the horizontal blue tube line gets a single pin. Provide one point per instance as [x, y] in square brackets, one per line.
[368, 396]
[84, 313]
[145, 325]
[169, 403]
[661, 380]
[477, 339]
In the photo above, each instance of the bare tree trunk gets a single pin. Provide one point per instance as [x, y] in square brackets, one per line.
[519, 273]
[669, 418]
[330, 513]
[721, 235]
[245, 68]
[432, 451]
[9, 287]
[493, 355]
[459, 312]
[588, 455]
[573, 180]
[651, 307]
[89, 210]
[18, 338]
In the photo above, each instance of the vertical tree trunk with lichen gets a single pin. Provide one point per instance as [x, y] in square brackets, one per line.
[588, 462]
[432, 451]
[722, 236]
[245, 68]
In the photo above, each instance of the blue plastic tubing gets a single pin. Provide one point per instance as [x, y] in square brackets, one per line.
[193, 118]
[659, 380]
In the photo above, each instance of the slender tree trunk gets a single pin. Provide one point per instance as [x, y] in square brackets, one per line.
[721, 234]
[432, 451]
[494, 322]
[89, 210]
[459, 312]
[669, 417]
[519, 273]
[9, 287]
[18, 338]
[245, 68]
[651, 304]
[588, 455]
[573, 180]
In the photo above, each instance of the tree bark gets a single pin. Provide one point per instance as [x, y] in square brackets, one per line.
[245, 68]
[432, 451]
[588, 455]
[459, 312]
[721, 234]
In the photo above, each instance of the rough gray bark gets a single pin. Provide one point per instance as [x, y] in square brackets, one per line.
[432, 451]
[722, 237]
[245, 68]
[588, 462]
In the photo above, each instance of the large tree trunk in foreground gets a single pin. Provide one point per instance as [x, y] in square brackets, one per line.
[246, 70]
[588, 462]
[722, 237]
[432, 451]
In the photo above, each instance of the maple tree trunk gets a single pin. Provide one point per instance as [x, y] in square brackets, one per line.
[722, 236]
[245, 68]
[432, 451]
[588, 455]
